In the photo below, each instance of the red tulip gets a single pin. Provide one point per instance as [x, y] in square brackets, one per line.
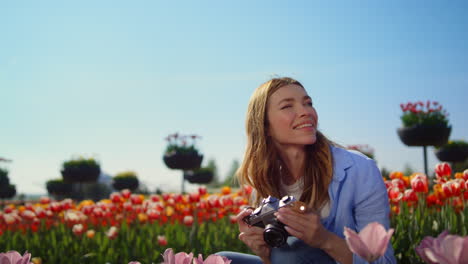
[44, 200]
[443, 170]
[188, 220]
[419, 183]
[78, 229]
[394, 194]
[371, 243]
[410, 196]
[126, 193]
[116, 197]
[112, 233]
[399, 183]
[162, 241]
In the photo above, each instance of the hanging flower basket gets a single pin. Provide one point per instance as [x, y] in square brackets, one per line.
[454, 151]
[424, 135]
[181, 153]
[183, 161]
[201, 176]
[424, 124]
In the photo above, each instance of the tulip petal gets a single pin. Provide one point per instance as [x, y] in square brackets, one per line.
[183, 258]
[464, 251]
[12, 257]
[427, 242]
[169, 256]
[356, 245]
[451, 248]
[371, 235]
[214, 259]
[4, 259]
[25, 259]
[198, 260]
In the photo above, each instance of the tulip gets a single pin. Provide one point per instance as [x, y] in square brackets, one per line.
[211, 259]
[371, 243]
[419, 183]
[179, 258]
[134, 262]
[13, 257]
[399, 183]
[188, 220]
[446, 248]
[443, 169]
[396, 175]
[77, 229]
[90, 233]
[162, 241]
[112, 232]
[395, 195]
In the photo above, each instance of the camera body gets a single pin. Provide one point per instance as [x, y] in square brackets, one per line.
[263, 216]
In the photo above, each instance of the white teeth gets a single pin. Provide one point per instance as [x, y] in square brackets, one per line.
[304, 125]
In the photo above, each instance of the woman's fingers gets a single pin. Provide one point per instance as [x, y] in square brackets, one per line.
[300, 222]
[240, 219]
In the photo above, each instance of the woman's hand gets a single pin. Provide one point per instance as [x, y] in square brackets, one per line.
[252, 236]
[305, 226]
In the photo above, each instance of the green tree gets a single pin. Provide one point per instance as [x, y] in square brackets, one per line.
[215, 182]
[408, 170]
[7, 190]
[231, 179]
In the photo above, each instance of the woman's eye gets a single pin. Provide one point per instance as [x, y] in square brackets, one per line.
[286, 106]
[309, 103]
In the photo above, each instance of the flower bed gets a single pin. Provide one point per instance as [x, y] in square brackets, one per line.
[130, 227]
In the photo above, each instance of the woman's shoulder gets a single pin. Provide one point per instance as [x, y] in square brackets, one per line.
[354, 165]
[349, 158]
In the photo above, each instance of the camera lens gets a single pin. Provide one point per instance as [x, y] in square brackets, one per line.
[275, 235]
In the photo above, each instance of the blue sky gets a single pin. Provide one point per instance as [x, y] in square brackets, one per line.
[111, 79]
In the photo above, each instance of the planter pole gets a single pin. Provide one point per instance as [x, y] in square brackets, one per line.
[183, 183]
[425, 160]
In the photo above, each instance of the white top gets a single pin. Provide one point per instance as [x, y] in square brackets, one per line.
[295, 190]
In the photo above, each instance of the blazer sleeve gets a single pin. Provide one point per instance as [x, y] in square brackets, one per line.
[371, 204]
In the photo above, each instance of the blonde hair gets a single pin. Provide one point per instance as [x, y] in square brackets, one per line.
[262, 166]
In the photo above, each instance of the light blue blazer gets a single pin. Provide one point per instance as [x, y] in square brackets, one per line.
[358, 196]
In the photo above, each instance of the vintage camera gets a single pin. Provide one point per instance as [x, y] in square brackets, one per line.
[263, 216]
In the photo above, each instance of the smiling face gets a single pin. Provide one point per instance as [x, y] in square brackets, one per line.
[292, 120]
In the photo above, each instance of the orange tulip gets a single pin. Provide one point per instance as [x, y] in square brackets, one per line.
[90, 233]
[226, 190]
[395, 175]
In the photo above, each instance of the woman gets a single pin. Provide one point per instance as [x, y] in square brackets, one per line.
[287, 155]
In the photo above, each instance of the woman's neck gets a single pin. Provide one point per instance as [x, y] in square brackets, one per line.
[293, 158]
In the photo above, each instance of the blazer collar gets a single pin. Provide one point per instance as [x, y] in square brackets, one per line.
[341, 161]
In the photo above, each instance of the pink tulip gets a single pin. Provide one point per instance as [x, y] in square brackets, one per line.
[211, 259]
[13, 257]
[371, 243]
[445, 249]
[179, 258]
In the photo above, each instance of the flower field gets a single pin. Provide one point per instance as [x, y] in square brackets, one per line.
[132, 227]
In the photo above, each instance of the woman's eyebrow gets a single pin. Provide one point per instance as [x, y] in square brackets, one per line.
[290, 99]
